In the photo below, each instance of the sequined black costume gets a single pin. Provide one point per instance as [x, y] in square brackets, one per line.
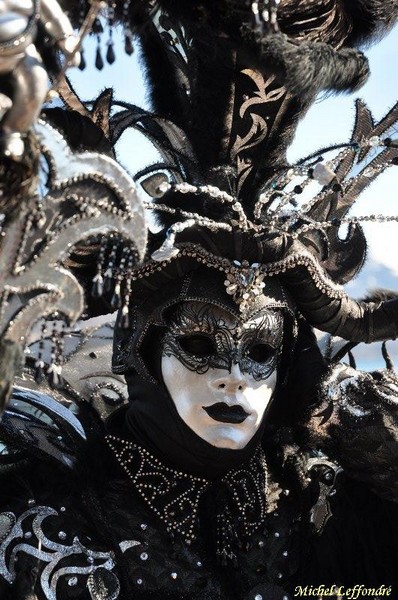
[97, 526]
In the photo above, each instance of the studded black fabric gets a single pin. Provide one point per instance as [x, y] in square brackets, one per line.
[96, 537]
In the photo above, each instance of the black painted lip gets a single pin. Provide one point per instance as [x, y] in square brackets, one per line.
[226, 414]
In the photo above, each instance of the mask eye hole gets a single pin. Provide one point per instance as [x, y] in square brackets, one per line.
[260, 353]
[197, 345]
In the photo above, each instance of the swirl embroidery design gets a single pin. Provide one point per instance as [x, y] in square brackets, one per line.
[25, 535]
[259, 128]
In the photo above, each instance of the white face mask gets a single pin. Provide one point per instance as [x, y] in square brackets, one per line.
[221, 372]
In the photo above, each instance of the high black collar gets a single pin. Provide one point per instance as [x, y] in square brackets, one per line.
[239, 499]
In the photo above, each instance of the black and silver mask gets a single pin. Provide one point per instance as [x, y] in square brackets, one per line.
[201, 338]
[220, 370]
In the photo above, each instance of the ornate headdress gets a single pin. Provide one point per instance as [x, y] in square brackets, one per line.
[231, 209]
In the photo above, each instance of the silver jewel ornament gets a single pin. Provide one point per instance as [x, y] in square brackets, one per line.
[374, 141]
[166, 251]
[144, 556]
[244, 283]
[103, 585]
[323, 174]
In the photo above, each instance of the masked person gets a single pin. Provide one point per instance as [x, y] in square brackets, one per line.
[244, 465]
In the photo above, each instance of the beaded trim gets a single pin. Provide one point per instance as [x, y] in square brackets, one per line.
[303, 258]
[288, 206]
[174, 496]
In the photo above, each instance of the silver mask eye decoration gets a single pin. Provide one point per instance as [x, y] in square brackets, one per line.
[200, 339]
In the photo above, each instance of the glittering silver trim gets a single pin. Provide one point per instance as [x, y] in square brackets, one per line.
[124, 546]
[48, 551]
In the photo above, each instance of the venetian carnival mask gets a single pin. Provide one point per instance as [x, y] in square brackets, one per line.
[220, 371]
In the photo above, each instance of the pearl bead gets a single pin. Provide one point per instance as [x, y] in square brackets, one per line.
[144, 556]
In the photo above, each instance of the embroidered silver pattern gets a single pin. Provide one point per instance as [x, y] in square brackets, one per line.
[7, 522]
[174, 496]
[48, 551]
[103, 585]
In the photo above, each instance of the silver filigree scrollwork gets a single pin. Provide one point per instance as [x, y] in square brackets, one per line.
[89, 196]
[60, 559]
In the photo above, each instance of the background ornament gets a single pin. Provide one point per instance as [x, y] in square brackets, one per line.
[88, 196]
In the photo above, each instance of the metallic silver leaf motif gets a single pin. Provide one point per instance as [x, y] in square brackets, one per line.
[268, 90]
